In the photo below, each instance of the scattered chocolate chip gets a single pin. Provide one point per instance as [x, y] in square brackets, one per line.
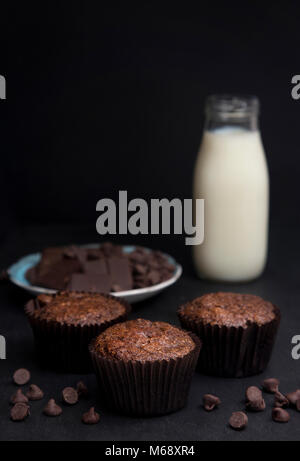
[280, 400]
[210, 402]
[271, 385]
[254, 399]
[21, 377]
[90, 417]
[19, 412]
[293, 397]
[238, 420]
[70, 395]
[18, 397]
[280, 415]
[52, 409]
[82, 390]
[34, 393]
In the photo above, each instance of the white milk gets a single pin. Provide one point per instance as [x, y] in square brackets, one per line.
[231, 174]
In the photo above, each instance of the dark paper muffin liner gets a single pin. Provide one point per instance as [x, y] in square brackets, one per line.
[145, 388]
[65, 347]
[233, 352]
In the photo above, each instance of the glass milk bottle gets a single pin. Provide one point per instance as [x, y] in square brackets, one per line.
[231, 175]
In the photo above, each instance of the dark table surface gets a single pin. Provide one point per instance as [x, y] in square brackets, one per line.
[280, 284]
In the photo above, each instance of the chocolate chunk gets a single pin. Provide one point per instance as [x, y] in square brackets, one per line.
[280, 415]
[77, 253]
[271, 385]
[19, 397]
[70, 395]
[90, 283]
[140, 269]
[82, 390]
[280, 400]
[34, 393]
[254, 399]
[293, 397]
[19, 412]
[138, 256]
[238, 420]
[119, 270]
[21, 377]
[210, 402]
[154, 277]
[115, 288]
[52, 409]
[90, 417]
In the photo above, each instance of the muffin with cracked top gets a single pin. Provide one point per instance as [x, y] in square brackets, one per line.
[64, 324]
[238, 332]
[145, 368]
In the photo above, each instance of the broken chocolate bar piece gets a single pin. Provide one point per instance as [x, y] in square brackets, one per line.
[119, 270]
[90, 282]
[97, 267]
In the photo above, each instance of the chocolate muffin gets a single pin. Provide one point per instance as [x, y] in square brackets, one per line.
[64, 324]
[145, 368]
[238, 332]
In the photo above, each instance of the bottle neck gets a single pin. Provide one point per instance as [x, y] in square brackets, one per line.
[240, 112]
[217, 121]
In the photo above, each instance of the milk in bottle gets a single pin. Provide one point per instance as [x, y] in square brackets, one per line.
[231, 175]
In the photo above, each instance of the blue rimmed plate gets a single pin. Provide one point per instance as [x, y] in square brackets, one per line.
[17, 275]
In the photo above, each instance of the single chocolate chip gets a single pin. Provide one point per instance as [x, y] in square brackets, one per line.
[280, 400]
[271, 385]
[52, 409]
[293, 397]
[21, 377]
[82, 390]
[34, 393]
[90, 417]
[238, 420]
[210, 402]
[70, 395]
[254, 399]
[280, 415]
[19, 412]
[18, 397]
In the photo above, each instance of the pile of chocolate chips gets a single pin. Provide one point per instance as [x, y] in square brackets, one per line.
[20, 409]
[104, 269]
[255, 403]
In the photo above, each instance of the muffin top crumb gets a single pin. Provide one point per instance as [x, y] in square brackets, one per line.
[78, 308]
[229, 309]
[143, 340]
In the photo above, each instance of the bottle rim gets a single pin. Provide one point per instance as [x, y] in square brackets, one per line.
[231, 105]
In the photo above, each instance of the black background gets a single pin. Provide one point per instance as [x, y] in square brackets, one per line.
[106, 98]
[110, 97]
